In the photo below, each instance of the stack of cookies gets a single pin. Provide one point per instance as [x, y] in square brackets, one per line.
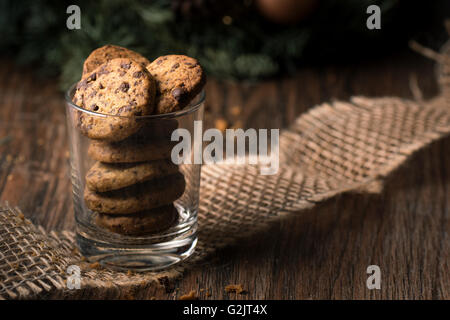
[133, 183]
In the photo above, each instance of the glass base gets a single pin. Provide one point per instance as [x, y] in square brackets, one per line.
[137, 257]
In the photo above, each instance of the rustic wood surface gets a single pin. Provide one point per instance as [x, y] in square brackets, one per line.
[319, 254]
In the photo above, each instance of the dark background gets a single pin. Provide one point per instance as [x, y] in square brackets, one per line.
[240, 39]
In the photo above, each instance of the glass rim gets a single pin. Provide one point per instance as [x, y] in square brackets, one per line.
[190, 108]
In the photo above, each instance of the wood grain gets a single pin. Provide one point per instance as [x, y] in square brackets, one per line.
[318, 254]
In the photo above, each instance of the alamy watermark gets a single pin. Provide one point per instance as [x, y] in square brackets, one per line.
[374, 20]
[374, 280]
[235, 142]
[74, 278]
[74, 20]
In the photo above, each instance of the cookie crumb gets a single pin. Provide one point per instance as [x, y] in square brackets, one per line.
[95, 265]
[235, 111]
[221, 124]
[129, 273]
[234, 288]
[152, 298]
[208, 293]
[192, 295]
[21, 216]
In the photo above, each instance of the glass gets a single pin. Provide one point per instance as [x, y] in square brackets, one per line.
[134, 208]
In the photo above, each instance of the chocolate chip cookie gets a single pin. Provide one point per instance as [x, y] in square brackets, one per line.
[106, 53]
[107, 176]
[139, 197]
[121, 88]
[130, 151]
[140, 223]
[179, 79]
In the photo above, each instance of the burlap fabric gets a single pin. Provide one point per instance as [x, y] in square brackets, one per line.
[334, 148]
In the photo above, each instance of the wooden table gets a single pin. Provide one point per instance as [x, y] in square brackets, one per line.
[318, 254]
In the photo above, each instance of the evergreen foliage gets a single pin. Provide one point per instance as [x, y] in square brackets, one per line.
[249, 47]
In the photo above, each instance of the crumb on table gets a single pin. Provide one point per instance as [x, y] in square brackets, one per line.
[192, 295]
[235, 110]
[234, 288]
[221, 124]
[95, 265]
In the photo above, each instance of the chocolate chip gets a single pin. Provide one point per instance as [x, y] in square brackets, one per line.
[122, 109]
[94, 107]
[125, 65]
[177, 93]
[92, 77]
[82, 84]
[101, 86]
[176, 65]
[159, 61]
[103, 71]
[137, 74]
[124, 86]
